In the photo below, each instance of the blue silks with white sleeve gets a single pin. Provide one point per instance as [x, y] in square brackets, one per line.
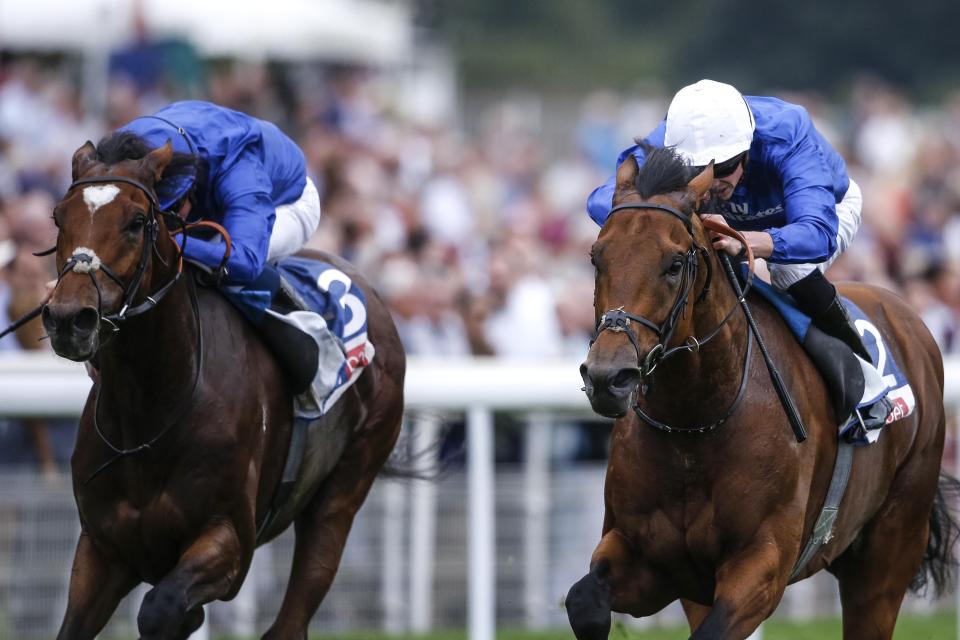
[250, 168]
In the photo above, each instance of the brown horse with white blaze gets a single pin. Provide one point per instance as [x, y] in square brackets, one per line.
[182, 443]
[715, 509]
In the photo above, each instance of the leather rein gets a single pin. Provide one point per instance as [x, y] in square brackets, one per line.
[620, 321]
[85, 261]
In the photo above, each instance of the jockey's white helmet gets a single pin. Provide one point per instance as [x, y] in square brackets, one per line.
[708, 121]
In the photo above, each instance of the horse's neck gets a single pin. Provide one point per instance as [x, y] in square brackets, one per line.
[695, 389]
[151, 362]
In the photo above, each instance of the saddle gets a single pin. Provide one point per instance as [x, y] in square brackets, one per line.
[863, 397]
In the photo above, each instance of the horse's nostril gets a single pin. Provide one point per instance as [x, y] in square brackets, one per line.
[46, 317]
[626, 378]
[86, 320]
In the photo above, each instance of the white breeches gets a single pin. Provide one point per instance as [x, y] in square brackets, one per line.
[848, 211]
[295, 223]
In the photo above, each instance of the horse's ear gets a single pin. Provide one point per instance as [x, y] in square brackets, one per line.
[156, 161]
[700, 184]
[627, 176]
[84, 158]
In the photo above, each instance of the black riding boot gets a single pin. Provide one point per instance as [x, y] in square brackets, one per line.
[817, 297]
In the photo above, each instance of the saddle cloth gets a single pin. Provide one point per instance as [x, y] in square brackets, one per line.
[883, 379]
[333, 313]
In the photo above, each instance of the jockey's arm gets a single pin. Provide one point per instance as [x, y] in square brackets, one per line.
[810, 232]
[761, 243]
[243, 192]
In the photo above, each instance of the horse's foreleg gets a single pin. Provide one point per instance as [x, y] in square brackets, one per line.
[748, 588]
[618, 581]
[322, 527]
[96, 588]
[695, 613]
[208, 570]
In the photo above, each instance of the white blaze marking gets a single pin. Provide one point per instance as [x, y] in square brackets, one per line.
[99, 195]
[86, 267]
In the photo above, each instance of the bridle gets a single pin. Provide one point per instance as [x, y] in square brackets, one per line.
[619, 320]
[86, 261]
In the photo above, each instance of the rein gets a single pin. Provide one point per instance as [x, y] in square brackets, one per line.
[120, 453]
[86, 261]
[619, 321]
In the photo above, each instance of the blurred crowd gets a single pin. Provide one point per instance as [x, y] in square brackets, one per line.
[475, 232]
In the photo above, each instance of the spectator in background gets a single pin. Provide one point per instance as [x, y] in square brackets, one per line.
[477, 241]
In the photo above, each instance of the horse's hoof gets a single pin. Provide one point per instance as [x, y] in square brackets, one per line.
[588, 608]
[163, 615]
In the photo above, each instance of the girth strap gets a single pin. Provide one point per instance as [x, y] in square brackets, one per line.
[823, 529]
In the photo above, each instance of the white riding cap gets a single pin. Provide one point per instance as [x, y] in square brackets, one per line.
[708, 121]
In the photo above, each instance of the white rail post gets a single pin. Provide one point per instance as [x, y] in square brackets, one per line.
[536, 535]
[391, 586]
[480, 462]
[423, 519]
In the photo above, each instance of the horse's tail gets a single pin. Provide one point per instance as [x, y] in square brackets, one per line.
[940, 560]
[415, 459]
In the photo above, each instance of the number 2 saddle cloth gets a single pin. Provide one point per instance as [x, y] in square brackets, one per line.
[884, 390]
[313, 317]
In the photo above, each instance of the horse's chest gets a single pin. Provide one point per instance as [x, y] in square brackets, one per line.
[148, 538]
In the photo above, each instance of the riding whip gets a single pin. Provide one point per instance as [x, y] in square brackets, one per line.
[793, 414]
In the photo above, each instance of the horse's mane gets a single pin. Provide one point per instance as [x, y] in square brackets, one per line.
[122, 145]
[663, 171]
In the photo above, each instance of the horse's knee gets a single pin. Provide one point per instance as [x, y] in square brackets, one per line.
[163, 614]
[588, 608]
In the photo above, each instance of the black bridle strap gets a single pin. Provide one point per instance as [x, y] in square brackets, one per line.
[665, 331]
[680, 215]
[656, 424]
[150, 233]
[120, 453]
[151, 196]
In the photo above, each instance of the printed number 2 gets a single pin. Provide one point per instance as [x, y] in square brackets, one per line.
[864, 328]
[348, 301]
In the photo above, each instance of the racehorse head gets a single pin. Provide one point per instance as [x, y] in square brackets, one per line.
[647, 260]
[108, 223]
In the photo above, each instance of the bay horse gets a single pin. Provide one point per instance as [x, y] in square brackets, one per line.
[183, 439]
[715, 505]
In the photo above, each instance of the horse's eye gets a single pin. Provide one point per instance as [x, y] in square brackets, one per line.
[675, 267]
[136, 225]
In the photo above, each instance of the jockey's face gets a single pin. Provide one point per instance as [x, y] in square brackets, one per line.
[723, 187]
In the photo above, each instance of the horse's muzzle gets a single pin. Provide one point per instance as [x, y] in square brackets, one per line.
[609, 387]
[73, 331]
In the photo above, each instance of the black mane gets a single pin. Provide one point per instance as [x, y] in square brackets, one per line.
[663, 171]
[122, 145]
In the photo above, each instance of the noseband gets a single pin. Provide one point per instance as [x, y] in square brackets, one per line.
[618, 320]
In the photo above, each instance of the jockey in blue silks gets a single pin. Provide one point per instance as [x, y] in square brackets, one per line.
[776, 179]
[245, 174]
[248, 176]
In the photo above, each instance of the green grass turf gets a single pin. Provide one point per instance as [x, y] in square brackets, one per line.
[941, 626]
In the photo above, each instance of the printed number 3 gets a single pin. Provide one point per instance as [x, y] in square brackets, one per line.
[348, 301]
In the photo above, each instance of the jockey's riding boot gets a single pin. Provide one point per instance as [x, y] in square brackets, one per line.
[817, 297]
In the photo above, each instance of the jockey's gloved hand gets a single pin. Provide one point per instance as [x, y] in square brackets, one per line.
[207, 277]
